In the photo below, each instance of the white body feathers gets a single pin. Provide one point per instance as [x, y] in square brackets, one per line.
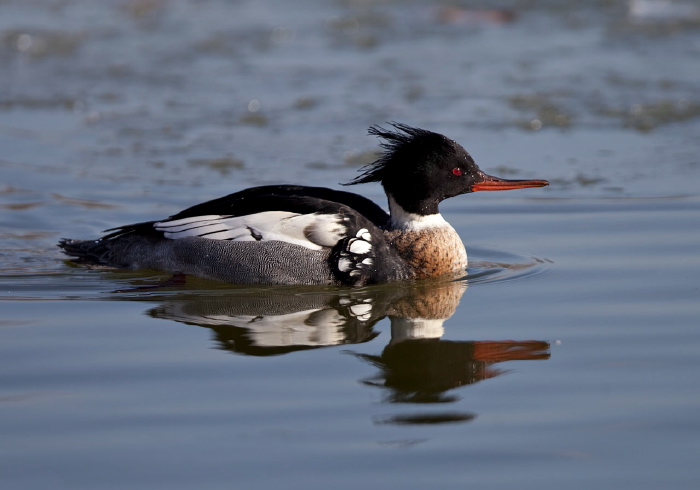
[313, 231]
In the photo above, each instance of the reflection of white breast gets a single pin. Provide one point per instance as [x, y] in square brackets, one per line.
[416, 328]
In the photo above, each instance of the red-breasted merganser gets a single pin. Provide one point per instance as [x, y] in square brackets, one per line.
[285, 234]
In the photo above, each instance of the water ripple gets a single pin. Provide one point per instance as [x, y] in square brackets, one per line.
[491, 265]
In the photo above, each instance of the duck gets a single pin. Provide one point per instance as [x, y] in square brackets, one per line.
[304, 235]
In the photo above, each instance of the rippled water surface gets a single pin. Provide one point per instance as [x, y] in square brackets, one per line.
[567, 357]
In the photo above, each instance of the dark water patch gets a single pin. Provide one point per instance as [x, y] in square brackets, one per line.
[38, 44]
[426, 418]
[223, 165]
[647, 116]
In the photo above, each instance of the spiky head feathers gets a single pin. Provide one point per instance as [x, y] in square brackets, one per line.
[405, 148]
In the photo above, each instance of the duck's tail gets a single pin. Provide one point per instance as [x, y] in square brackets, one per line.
[84, 251]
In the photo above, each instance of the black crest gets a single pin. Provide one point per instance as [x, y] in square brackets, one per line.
[406, 141]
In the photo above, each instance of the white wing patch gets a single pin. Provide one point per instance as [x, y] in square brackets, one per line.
[360, 247]
[313, 231]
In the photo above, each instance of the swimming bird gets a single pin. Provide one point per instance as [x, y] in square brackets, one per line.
[290, 234]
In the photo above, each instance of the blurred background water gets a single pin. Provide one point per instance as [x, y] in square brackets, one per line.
[568, 355]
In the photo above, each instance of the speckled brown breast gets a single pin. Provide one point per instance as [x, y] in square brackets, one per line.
[431, 252]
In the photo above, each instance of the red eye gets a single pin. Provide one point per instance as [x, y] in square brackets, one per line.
[456, 171]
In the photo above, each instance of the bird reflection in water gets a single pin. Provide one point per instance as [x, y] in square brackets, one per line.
[423, 370]
[416, 366]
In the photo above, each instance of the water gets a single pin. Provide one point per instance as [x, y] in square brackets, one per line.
[567, 356]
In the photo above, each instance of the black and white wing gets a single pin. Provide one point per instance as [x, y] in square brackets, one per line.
[313, 230]
[345, 227]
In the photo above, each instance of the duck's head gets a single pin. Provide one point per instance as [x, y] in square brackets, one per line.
[419, 169]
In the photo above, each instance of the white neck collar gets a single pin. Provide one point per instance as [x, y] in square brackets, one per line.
[403, 220]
